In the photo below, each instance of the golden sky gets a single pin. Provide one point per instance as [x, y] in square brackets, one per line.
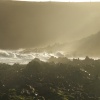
[60, 0]
[30, 24]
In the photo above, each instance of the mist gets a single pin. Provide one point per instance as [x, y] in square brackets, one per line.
[31, 24]
[49, 51]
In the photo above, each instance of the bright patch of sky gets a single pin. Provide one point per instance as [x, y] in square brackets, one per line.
[59, 0]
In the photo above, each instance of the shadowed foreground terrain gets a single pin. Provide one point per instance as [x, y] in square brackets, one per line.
[63, 80]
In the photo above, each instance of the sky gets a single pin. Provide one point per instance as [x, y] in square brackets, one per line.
[32, 24]
[60, 0]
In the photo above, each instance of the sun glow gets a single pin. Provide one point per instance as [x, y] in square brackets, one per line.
[59, 0]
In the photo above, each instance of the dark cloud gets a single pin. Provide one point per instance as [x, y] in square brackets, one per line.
[24, 24]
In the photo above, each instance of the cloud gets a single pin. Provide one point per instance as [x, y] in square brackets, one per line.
[19, 56]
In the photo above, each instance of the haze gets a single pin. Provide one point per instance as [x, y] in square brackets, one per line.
[30, 24]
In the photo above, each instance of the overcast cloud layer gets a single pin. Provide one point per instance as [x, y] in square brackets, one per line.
[25, 25]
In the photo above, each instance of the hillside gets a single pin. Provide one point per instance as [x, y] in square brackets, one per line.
[89, 46]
